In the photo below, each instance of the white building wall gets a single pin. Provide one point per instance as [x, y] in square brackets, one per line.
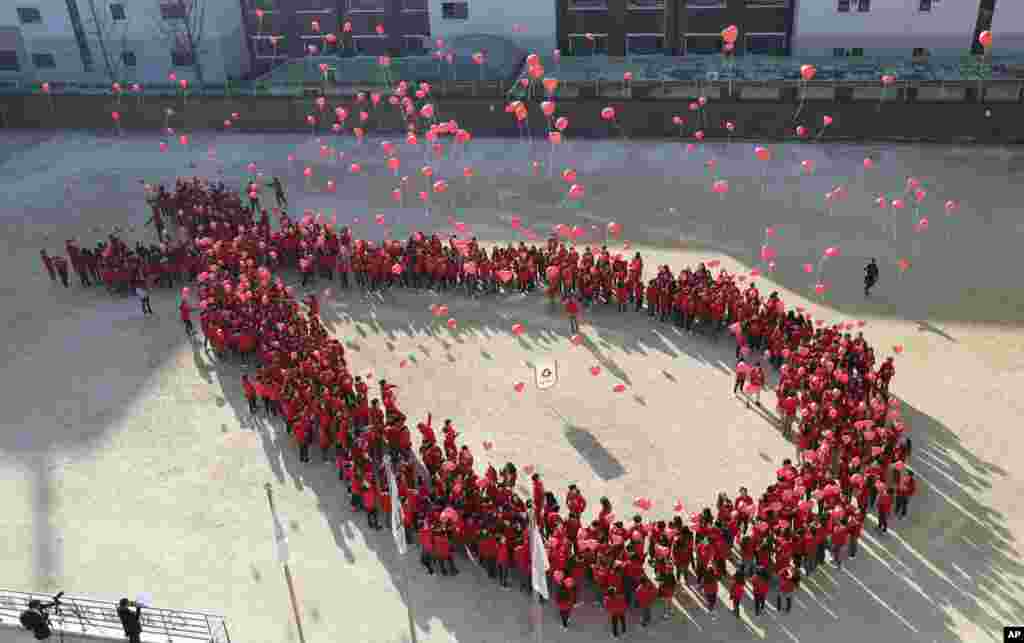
[530, 24]
[889, 28]
[1008, 27]
[223, 48]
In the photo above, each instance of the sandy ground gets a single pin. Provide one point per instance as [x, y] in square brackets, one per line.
[129, 462]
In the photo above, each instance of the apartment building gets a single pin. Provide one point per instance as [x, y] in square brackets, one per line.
[279, 30]
[890, 28]
[127, 40]
[527, 25]
[677, 27]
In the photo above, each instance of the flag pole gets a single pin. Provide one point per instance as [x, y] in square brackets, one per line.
[539, 565]
[400, 545]
[281, 542]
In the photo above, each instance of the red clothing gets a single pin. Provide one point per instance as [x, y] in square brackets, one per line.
[616, 605]
[369, 499]
[884, 503]
[646, 594]
[441, 547]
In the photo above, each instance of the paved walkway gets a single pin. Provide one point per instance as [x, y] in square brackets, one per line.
[129, 464]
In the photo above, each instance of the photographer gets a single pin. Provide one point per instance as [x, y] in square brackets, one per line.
[131, 621]
[36, 619]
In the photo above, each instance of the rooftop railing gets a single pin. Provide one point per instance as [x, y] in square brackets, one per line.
[93, 618]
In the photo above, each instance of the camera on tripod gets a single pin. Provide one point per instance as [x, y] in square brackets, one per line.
[37, 617]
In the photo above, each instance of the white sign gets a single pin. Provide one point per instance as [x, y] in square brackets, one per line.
[547, 374]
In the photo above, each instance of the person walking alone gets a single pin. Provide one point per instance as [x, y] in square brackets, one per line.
[143, 294]
[870, 277]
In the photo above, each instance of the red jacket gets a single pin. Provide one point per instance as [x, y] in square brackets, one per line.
[760, 587]
[441, 547]
[646, 594]
[884, 503]
[616, 605]
[566, 601]
[426, 539]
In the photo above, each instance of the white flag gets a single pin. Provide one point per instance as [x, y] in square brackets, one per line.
[397, 530]
[539, 562]
[280, 541]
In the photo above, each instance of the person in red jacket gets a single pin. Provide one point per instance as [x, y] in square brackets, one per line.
[709, 583]
[522, 556]
[615, 605]
[736, 592]
[502, 561]
[905, 488]
[426, 538]
[186, 318]
[566, 600]
[370, 505]
[646, 594]
[761, 585]
[840, 537]
[572, 309]
[48, 264]
[250, 393]
[854, 527]
[487, 548]
[789, 579]
[884, 507]
[443, 553]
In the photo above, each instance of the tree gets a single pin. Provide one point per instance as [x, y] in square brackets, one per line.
[182, 24]
[112, 37]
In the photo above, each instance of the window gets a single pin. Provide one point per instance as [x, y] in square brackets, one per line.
[128, 58]
[415, 45]
[415, 6]
[646, 5]
[705, 4]
[29, 15]
[588, 5]
[9, 60]
[839, 52]
[767, 44]
[455, 10]
[365, 6]
[863, 6]
[857, 52]
[919, 52]
[579, 45]
[181, 55]
[44, 61]
[172, 9]
[644, 43]
[925, 6]
[703, 43]
[370, 45]
[844, 6]
[766, 3]
[117, 11]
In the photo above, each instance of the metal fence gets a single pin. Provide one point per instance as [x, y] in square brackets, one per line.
[298, 77]
[94, 618]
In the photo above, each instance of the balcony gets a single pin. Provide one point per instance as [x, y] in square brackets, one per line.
[588, 5]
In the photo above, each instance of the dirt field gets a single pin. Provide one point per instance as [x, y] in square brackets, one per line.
[129, 462]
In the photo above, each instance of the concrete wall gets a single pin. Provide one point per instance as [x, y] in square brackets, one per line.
[925, 121]
[891, 27]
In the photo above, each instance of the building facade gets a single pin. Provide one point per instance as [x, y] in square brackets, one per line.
[888, 28]
[127, 41]
[677, 27]
[529, 24]
[295, 25]
[1005, 19]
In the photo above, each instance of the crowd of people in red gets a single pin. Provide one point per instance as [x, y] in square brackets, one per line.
[851, 456]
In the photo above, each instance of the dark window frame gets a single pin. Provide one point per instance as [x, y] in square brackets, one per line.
[30, 16]
[173, 9]
[49, 61]
[450, 10]
[925, 6]
[857, 52]
[863, 6]
[843, 6]
[117, 12]
[129, 59]
[9, 60]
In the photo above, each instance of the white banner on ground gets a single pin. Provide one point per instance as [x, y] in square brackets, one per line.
[396, 512]
[280, 541]
[547, 374]
[539, 562]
